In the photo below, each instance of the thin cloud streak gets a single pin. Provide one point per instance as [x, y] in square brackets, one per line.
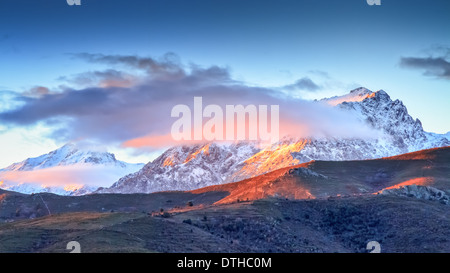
[304, 83]
[434, 66]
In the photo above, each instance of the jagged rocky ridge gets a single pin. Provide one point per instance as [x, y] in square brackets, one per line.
[191, 167]
[187, 168]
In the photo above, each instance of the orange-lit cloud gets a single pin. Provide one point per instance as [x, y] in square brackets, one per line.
[65, 177]
[149, 141]
[297, 126]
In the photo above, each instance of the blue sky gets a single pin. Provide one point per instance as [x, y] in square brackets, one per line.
[402, 47]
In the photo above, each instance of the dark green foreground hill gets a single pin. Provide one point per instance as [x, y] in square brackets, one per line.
[399, 224]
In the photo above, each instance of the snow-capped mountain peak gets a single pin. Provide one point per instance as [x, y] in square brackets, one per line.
[68, 154]
[66, 170]
[356, 95]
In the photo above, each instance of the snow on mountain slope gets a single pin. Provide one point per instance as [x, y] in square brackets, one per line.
[399, 133]
[293, 151]
[392, 117]
[65, 171]
[68, 154]
[186, 167]
[355, 95]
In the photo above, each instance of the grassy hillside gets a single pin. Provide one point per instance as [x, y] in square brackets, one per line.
[399, 224]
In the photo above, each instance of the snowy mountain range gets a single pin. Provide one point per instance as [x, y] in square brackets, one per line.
[68, 170]
[190, 167]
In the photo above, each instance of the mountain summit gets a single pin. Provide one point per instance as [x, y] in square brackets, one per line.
[68, 154]
[391, 116]
[358, 94]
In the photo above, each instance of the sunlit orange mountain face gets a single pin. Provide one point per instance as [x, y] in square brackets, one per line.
[322, 179]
